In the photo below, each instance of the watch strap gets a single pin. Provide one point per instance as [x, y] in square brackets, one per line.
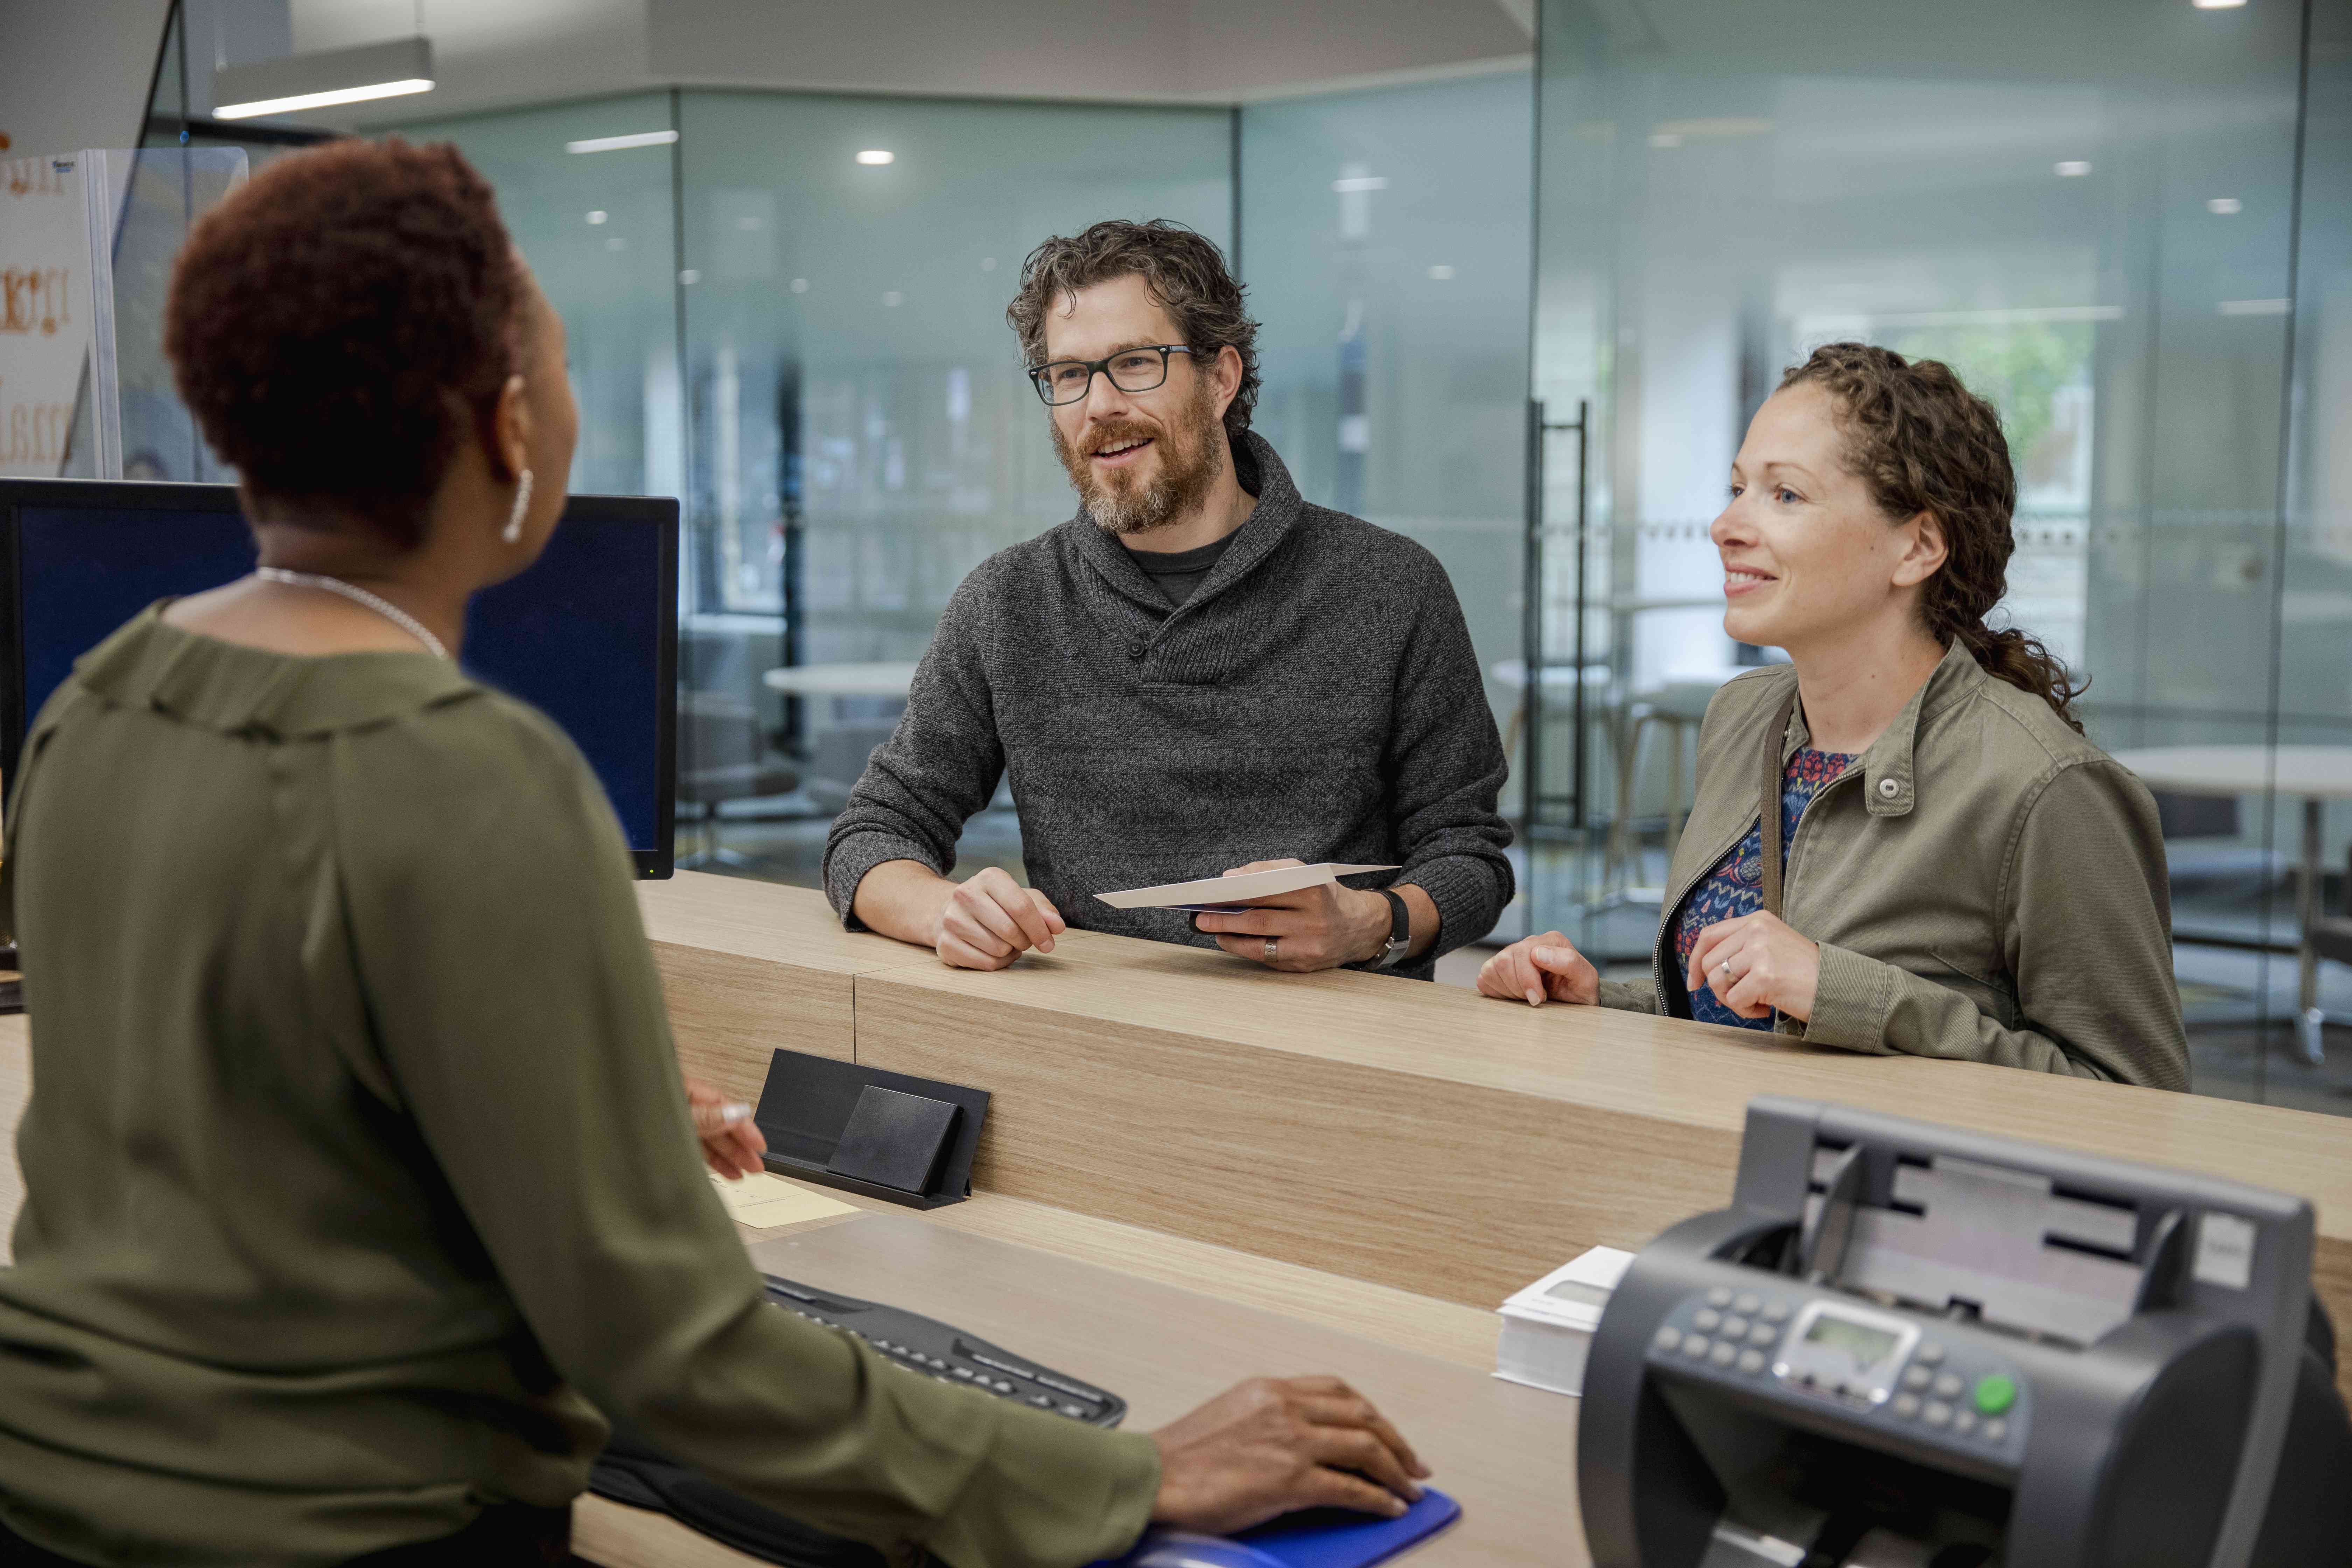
[1399, 930]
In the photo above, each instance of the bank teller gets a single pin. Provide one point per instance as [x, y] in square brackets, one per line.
[359, 1181]
[1957, 871]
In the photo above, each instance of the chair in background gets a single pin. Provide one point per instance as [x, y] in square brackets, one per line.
[723, 755]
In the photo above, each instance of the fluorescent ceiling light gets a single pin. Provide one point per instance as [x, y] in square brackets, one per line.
[2014, 316]
[2254, 307]
[598, 217]
[323, 79]
[1360, 183]
[2217, 4]
[878, 156]
[615, 143]
[2072, 169]
[2225, 206]
[1441, 272]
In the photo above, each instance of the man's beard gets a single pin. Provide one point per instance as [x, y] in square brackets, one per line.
[1192, 456]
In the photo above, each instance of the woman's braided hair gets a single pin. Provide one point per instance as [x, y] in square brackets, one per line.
[1923, 442]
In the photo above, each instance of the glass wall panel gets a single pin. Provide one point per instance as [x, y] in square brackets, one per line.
[863, 433]
[2089, 210]
[1385, 241]
[598, 227]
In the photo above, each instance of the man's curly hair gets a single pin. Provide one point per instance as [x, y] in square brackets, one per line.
[1185, 272]
[337, 322]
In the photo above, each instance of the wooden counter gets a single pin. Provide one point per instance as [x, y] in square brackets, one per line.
[1437, 1142]
[747, 972]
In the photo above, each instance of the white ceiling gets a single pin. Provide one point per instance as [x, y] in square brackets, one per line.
[497, 53]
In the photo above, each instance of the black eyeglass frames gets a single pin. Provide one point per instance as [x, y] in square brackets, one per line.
[1130, 370]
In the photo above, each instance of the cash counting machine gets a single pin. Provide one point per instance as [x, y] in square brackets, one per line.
[1905, 1346]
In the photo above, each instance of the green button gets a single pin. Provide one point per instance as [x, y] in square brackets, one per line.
[1995, 1394]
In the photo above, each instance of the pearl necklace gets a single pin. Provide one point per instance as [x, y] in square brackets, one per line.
[384, 607]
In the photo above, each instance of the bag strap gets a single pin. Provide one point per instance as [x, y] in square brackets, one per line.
[1769, 804]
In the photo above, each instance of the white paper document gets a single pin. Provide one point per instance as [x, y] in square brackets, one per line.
[1223, 892]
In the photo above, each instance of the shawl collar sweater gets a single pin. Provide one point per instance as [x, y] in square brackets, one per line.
[1317, 696]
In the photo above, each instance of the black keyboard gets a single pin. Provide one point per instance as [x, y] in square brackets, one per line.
[928, 1348]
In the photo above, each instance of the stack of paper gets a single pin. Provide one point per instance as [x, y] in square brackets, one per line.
[763, 1202]
[1548, 1327]
[1211, 894]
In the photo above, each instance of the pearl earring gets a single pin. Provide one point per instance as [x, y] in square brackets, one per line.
[512, 533]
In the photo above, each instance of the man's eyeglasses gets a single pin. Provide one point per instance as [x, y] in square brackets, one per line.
[1130, 370]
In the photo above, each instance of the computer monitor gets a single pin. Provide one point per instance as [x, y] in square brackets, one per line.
[588, 636]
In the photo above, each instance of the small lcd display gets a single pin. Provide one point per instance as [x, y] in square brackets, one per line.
[1866, 1345]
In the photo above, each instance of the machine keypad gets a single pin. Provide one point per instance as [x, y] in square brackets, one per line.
[1955, 1397]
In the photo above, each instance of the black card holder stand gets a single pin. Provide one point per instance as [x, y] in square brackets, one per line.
[888, 1135]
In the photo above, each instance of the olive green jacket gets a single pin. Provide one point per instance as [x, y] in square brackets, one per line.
[1985, 884]
[359, 1185]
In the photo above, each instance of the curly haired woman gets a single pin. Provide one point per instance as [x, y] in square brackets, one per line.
[1954, 870]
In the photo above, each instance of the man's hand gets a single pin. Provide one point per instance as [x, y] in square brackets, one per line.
[1537, 969]
[1756, 963]
[991, 920]
[732, 1142]
[1321, 927]
[1273, 1445]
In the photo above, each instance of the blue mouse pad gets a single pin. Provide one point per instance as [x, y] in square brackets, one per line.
[1326, 1538]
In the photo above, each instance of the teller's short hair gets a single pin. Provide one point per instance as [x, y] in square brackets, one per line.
[337, 323]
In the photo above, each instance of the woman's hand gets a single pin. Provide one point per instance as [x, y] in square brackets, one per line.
[1756, 963]
[1274, 1445]
[732, 1142]
[1538, 968]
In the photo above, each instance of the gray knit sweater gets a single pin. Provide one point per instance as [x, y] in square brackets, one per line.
[1317, 697]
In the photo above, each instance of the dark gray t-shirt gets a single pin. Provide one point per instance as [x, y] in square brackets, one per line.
[1178, 573]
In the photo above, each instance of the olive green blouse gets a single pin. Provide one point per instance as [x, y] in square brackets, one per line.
[358, 1179]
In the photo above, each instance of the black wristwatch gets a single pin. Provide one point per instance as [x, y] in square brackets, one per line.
[1400, 932]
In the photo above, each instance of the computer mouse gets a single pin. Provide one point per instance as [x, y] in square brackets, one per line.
[1182, 1548]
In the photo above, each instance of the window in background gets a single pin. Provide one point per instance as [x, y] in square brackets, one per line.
[2088, 210]
[1385, 243]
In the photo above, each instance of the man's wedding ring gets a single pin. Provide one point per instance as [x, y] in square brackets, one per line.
[1272, 948]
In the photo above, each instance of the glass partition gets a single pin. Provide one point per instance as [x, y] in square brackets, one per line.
[1385, 237]
[2090, 211]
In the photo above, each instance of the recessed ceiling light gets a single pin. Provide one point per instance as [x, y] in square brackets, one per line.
[799, 285]
[2072, 169]
[690, 276]
[1441, 272]
[2217, 4]
[878, 156]
[2225, 206]
[615, 143]
[597, 218]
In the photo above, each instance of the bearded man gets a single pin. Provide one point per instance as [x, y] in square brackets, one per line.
[1198, 673]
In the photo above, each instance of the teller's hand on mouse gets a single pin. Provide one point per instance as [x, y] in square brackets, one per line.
[1275, 1444]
